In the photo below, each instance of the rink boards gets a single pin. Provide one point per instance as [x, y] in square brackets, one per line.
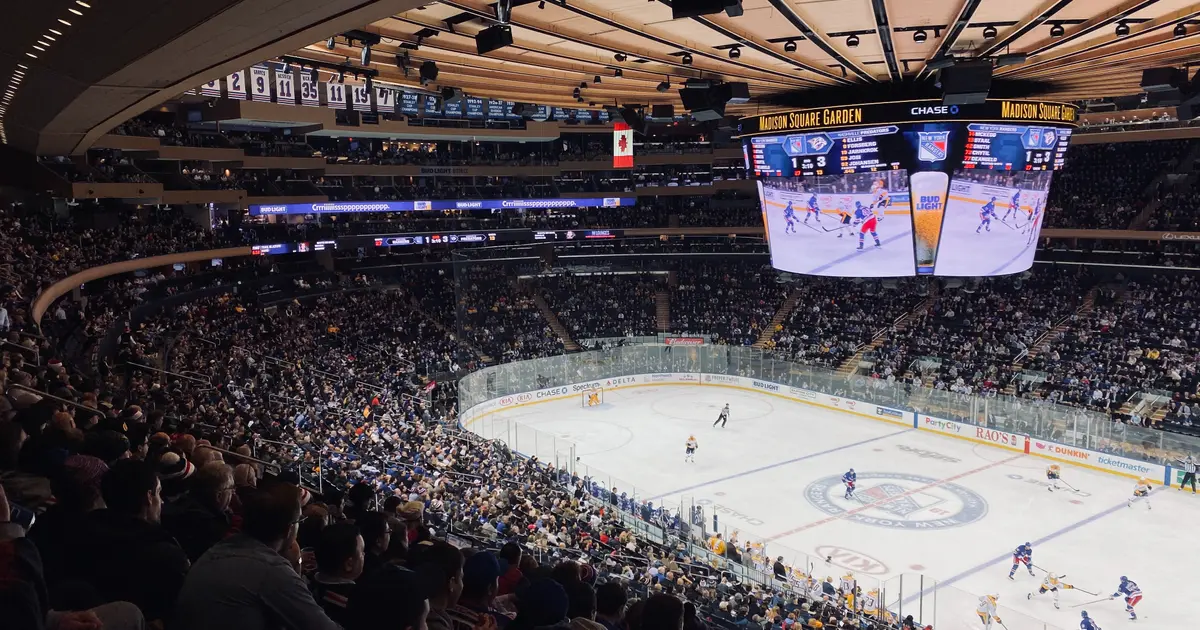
[1095, 460]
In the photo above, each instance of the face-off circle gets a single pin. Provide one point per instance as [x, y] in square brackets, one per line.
[898, 501]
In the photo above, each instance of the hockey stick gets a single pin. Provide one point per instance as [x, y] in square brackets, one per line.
[1073, 488]
[1097, 601]
[1088, 592]
[1002, 624]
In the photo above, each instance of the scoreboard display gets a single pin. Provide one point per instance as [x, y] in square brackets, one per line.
[906, 188]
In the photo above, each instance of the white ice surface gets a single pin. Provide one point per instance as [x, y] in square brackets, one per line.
[758, 467]
[1003, 250]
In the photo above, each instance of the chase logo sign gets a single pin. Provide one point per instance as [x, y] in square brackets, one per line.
[932, 146]
[898, 501]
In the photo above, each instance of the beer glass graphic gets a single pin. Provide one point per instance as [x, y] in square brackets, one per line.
[927, 191]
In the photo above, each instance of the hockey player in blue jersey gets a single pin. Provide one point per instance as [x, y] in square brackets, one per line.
[1013, 206]
[1129, 589]
[866, 221]
[986, 214]
[789, 215]
[1087, 623]
[1023, 554]
[849, 479]
[813, 209]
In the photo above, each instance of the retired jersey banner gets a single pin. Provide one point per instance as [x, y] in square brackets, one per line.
[335, 95]
[260, 84]
[360, 97]
[212, 88]
[308, 90]
[385, 100]
[622, 145]
[235, 85]
[285, 93]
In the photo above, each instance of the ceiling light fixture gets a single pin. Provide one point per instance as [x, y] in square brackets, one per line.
[330, 43]
[1122, 29]
[54, 31]
[665, 85]
[735, 52]
[49, 38]
[618, 72]
[920, 35]
[596, 79]
[83, 4]
[989, 32]
[39, 48]
[542, 4]
[75, 11]
[31, 55]
[852, 41]
[686, 59]
[46, 44]
[63, 22]
[790, 46]
[1057, 30]
[620, 57]
[1180, 29]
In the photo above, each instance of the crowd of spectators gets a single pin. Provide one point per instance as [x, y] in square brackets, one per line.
[596, 305]
[1105, 185]
[733, 300]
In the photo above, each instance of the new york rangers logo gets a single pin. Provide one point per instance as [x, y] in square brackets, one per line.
[932, 145]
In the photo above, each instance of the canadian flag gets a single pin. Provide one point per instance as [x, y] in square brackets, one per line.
[622, 145]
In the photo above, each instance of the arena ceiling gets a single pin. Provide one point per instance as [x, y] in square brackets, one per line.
[71, 70]
[786, 50]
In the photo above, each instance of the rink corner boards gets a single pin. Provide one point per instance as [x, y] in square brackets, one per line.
[1075, 456]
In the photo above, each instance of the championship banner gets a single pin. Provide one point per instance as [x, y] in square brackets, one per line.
[260, 84]
[622, 145]
[385, 100]
[335, 95]
[360, 97]
[235, 85]
[308, 91]
[212, 88]
[285, 94]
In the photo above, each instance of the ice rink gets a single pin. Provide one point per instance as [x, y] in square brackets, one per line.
[950, 509]
[1009, 246]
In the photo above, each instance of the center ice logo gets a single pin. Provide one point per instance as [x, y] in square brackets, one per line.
[898, 501]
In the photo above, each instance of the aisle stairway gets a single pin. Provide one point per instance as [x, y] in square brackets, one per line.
[1041, 343]
[850, 366]
[555, 324]
[662, 310]
[781, 315]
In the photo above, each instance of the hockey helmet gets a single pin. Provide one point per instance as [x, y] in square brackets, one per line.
[1124, 579]
[1084, 613]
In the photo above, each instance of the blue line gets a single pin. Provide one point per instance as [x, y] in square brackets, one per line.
[1044, 539]
[838, 261]
[776, 465]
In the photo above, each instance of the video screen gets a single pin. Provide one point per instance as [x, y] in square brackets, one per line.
[857, 224]
[991, 222]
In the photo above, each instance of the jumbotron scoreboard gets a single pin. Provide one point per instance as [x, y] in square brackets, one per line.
[919, 187]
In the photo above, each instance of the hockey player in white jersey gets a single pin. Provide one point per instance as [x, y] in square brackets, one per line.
[1141, 492]
[1053, 474]
[689, 449]
[987, 610]
[1052, 584]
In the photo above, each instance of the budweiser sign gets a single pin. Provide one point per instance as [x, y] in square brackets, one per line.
[685, 341]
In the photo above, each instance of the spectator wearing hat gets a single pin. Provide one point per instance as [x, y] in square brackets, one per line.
[610, 605]
[201, 518]
[252, 581]
[412, 515]
[121, 551]
[339, 554]
[174, 470]
[107, 445]
[481, 573]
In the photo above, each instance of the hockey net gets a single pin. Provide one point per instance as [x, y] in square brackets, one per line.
[593, 397]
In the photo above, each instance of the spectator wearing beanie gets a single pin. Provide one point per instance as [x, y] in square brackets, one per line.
[481, 573]
[121, 551]
[339, 564]
[174, 470]
[252, 581]
[543, 603]
[201, 518]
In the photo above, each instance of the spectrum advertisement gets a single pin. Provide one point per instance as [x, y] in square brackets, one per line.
[902, 189]
[358, 207]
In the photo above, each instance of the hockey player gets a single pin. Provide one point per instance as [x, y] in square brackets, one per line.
[881, 197]
[849, 479]
[866, 221]
[724, 417]
[689, 449]
[789, 215]
[1129, 589]
[845, 218]
[1086, 623]
[847, 585]
[813, 209]
[1031, 227]
[1014, 205]
[986, 214]
[987, 610]
[1189, 473]
[1053, 474]
[1140, 492]
[1052, 583]
[1023, 554]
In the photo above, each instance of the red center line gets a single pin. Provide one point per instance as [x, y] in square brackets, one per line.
[868, 506]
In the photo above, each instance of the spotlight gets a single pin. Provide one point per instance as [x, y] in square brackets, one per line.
[342, 77]
[576, 93]
[790, 46]
[852, 41]
[329, 43]
[1122, 29]
[582, 84]
[542, 4]
[620, 57]
[989, 32]
[618, 72]
[735, 52]
[687, 59]
[365, 57]
[665, 85]
[1057, 30]
[429, 71]
[314, 75]
[596, 79]
[1180, 29]
[920, 36]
